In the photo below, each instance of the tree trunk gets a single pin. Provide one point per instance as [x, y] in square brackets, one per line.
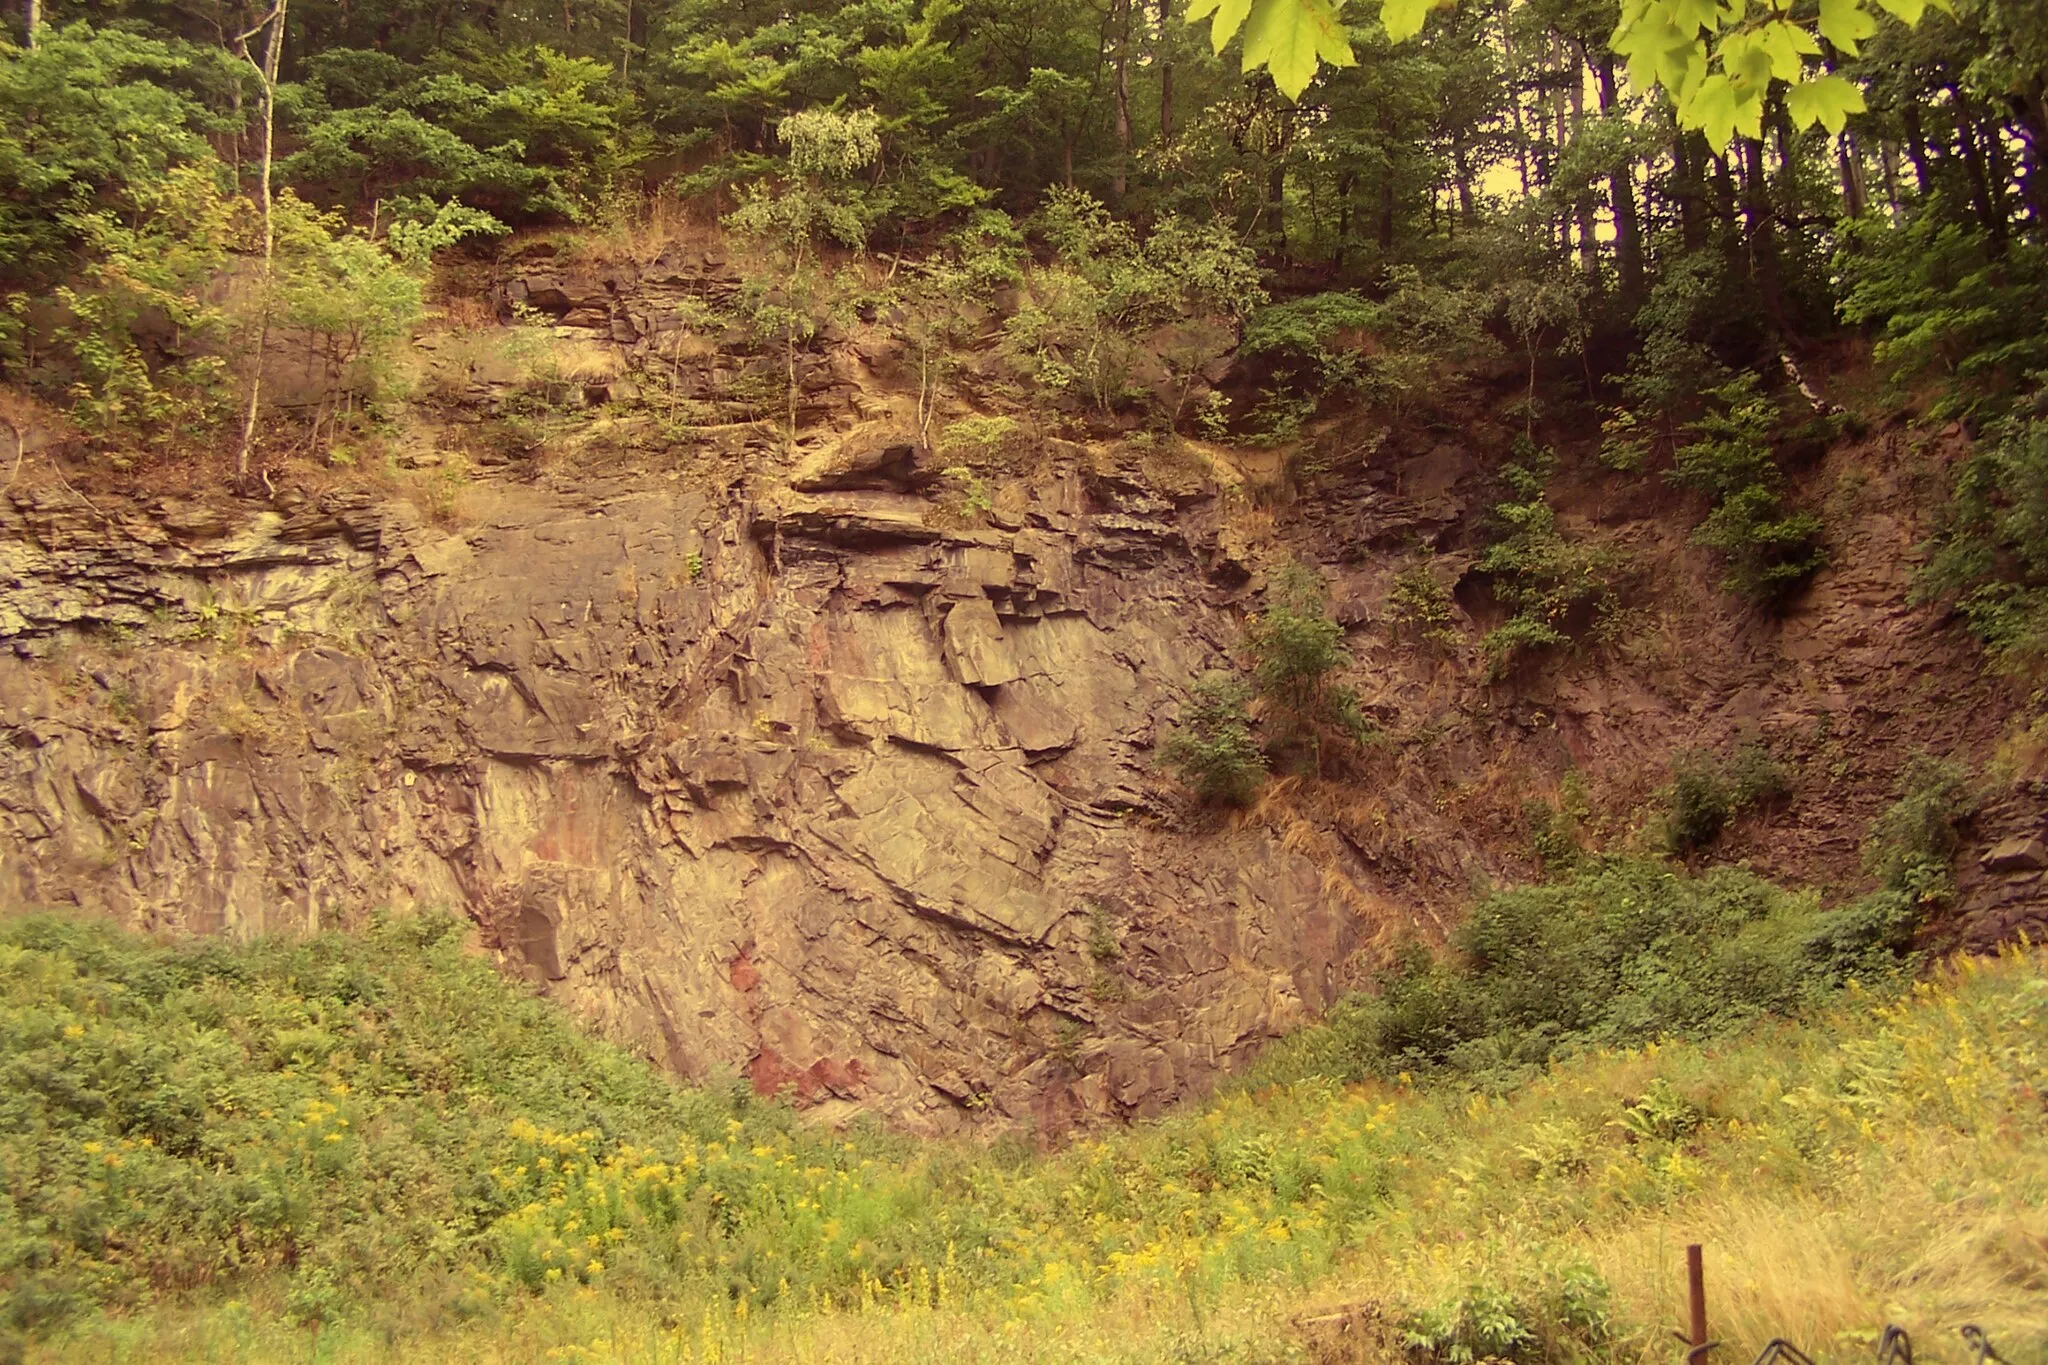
[1164, 57]
[2030, 121]
[32, 19]
[1553, 151]
[1461, 163]
[1976, 166]
[1507, 51]
[1759, 232]
[1589, 236]
[1119, 181]
[1783, 197]
[1689, 188]
[1888, 163]
[1916, 147]
[1276, 195]
[1621, 195]
[1345, 185]
[1386, 225]
[2001, 169]
[1849, 162]
[266, 72]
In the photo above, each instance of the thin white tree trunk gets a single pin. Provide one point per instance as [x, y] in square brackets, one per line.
[266, 72]
[32, 17]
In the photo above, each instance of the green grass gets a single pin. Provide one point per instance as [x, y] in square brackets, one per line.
[179, 1184]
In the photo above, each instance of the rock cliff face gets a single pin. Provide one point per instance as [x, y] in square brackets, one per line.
[762, 780]
[781, 766]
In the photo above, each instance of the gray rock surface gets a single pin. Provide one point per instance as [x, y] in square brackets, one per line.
[795, 785]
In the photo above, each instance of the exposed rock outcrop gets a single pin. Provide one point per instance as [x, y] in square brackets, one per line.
[797, 785]
[776, 762]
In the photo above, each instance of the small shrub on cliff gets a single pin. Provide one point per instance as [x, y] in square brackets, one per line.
[1080, 326]
[1214, 750]
[1912, 845]
[1555, 588]
[1991, 553]
[992, 443]
[1769, 550]
[1553, 836]
[1705, 795]
[788, 301]
[1297, 651]
[1418, 602]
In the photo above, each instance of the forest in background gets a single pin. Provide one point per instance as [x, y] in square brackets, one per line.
[1097, 193]
[1501, 166]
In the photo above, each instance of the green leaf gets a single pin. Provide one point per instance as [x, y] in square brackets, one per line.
[1403, 18]
[1229, 18]
[1788, 47]
[1289, 37]
[1845, 23]
[1658, 48]
[1749, 112]
[1711, 110]
[1690, 16]
[1827, 100]
[1907, 11]
[1745, 59]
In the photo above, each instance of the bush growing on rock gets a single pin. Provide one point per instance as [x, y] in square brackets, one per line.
[1991, 553]
[1912, 845]
[1214, 750]
[1421, 603]
[1625, 951]
[1297, 652]
[1705, 795]
[794, 295]
[1769, 550]
[1554, 588]
[1081, 325]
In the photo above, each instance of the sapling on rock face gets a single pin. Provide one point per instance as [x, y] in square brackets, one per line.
[944, 300]
[1297, 654]
[819, 202]
[1214, 749]
[1770, 550]
[1082, 324]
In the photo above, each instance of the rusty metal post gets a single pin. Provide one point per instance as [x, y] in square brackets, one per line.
[1696, 1292]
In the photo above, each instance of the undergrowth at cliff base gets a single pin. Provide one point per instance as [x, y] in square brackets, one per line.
[1624, 951]
[372, 1148]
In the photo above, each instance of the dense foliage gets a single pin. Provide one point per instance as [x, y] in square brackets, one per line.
[1624, 951]
[174, 1117]
[361, 1148]
[1290, 712]
[1991, 555]
[1554, 588]
[1493, 178]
